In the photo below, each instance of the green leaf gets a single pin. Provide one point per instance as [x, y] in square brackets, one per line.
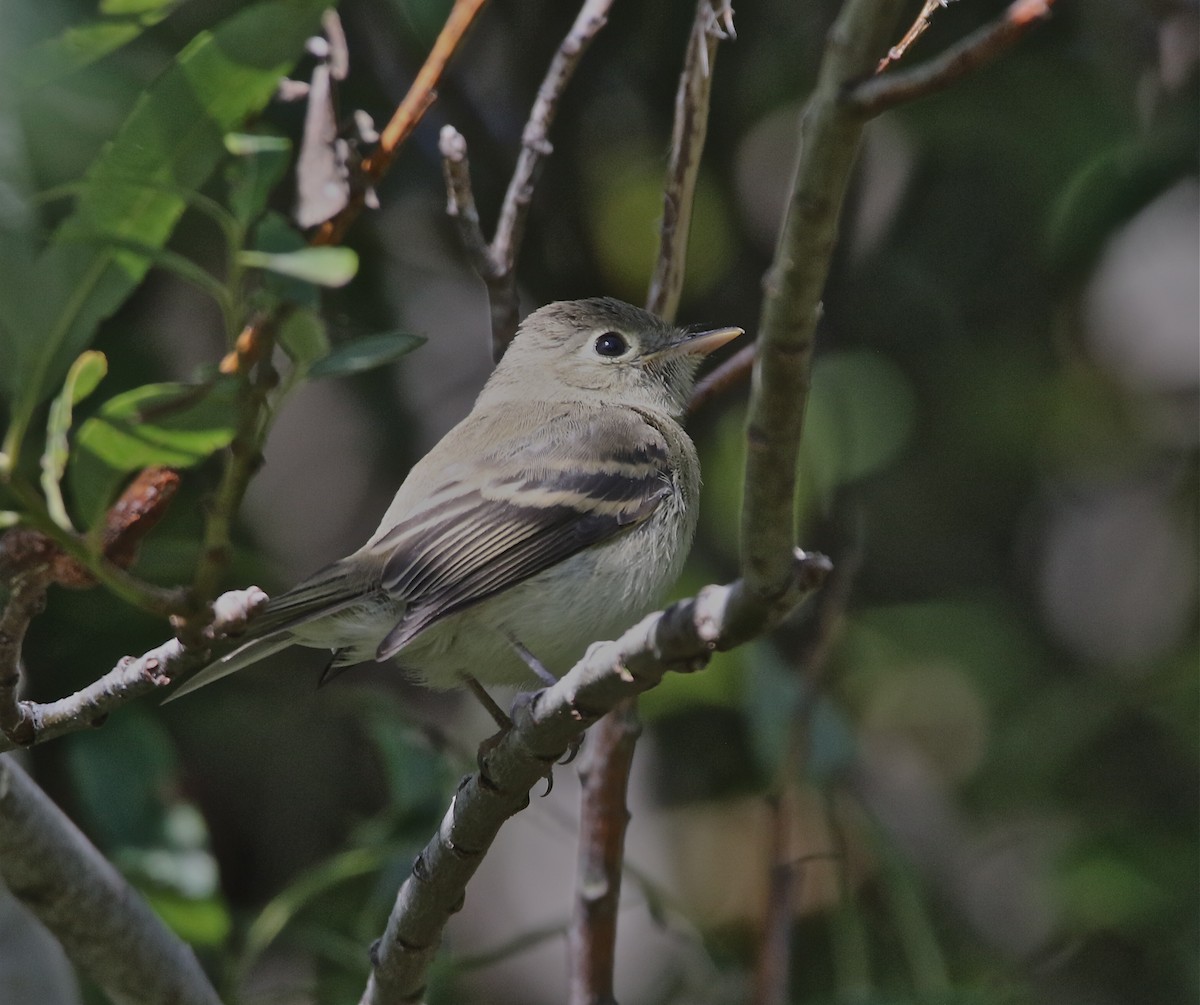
[173, 137]
[82, 379]
[308, 886]
[204, 922]
[176, 425]
[82, 45]
[366, 354]
[260, 161]
[304, 338]
[320, 266]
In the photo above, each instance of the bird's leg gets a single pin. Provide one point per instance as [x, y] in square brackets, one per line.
[489, 703]
[547, 678]
[531, 661]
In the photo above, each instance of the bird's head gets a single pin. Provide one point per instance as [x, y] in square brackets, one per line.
[604, 349]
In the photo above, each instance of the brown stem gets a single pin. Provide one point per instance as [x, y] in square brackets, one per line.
[730, 373]
[592, 939]
[249, 347]
[26, 598]
[406, 116]
[713, 22]
[496, 262]
[604, 816]
[131, 678]
[878, 94]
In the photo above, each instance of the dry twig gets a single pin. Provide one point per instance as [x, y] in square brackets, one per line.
[496, 262]
[248, 348]
[915, 31]
[604, 816]
[730, 373]
[132, 678]
[712, 24]
[878, 94]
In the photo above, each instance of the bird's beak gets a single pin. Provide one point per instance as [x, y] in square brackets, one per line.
[700, 343]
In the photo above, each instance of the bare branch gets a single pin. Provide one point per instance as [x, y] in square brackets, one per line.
[713, 22]
[544, 725]
[593, 935]
[592, 939]
[108, 931]
[132, 678]
[406, 116]
[915, 31]
[242, 461]
[251, 342]
[496, 262]
[26, 599]
[733, 371]
[791, 305]
[878, 94]
[535, 138]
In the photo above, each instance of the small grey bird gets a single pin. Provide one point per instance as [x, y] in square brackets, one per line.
[555, 514]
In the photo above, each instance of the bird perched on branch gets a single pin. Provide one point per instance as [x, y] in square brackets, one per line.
[553, 515]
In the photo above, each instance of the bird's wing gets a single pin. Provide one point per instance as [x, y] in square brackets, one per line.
[584, 488]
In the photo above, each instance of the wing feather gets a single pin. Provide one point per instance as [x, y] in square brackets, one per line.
[518, 524]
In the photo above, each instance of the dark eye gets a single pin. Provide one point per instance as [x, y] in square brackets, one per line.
[611, 344]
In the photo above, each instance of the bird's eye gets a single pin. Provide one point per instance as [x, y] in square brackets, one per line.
[611, 344]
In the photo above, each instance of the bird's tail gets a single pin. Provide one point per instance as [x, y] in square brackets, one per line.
[328, 592]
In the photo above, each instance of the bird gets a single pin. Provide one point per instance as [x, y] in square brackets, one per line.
[555, 514]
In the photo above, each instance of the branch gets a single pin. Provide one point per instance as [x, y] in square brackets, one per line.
[108, 931]
[26, 600]
[716, 382]
[878, 94]
[243, 460]
[604, 817]
[406, 116]
[712, 24]
[131, 678]
[496, 262]
[545, 724]
[248, 348]
[918, 28]
[830, 134]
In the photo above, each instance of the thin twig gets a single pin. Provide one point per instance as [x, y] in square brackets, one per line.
[773, 965]
[131, 678]
[713, 23]
[915, 31]
[107, 930]
[877, 94]
[406, 116]
[416, 102]
[716, 382]
[243, 460]
[592, 938]
[544, 726]
[26, 598]
[496, 261]
[830, 136]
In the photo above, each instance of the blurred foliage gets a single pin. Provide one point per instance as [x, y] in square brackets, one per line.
[995, 745]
